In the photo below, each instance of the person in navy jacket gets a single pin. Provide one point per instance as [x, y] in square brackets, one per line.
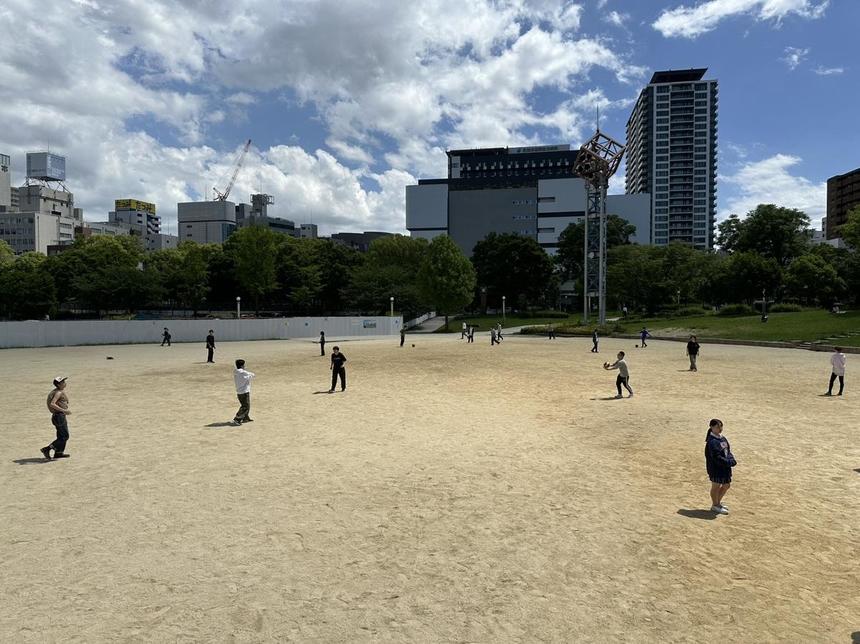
[719, 461]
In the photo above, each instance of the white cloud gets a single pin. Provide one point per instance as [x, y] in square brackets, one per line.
[130, 92]
[690, 22]
[771, 181]
[828, 71]
[794, 56]
[616, 18]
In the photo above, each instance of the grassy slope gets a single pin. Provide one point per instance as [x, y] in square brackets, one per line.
[484, 322]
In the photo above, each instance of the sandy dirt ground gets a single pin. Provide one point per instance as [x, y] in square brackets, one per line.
[453, 493]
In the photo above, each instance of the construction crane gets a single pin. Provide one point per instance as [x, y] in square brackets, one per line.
[222, 196]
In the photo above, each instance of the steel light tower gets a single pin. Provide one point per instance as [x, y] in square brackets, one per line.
[598, 159]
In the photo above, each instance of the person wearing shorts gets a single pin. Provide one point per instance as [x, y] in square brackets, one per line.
[719, 462]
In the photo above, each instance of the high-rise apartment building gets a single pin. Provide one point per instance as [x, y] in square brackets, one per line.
[843, 195]
[672, 154]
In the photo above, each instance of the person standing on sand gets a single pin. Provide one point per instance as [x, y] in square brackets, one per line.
[493, 336]
[499, 337]
[322, 343]
[693, 352]
[550, 332]
[210, 345]
[242, 377]
[463, 331]
[165, 337]
[338, 370]
[58, 405]
[623, 374]
[719, 462]
[837, 362]
[471, 335]
[402, 336]
[594, 341]
[643, 334]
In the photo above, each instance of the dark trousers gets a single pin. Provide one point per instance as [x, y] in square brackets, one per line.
[62, 425]
[471, 338]
[594, 348]
[833, 378]
[621, 380]
[334, 374]
[244, 407]
[166, 341]
[643, 343]
[322, 348]
[211, 351]
[402, 340]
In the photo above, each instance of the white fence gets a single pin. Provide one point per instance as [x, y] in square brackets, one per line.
[73, 333]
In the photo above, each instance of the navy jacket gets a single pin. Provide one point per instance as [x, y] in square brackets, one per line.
[718, 456]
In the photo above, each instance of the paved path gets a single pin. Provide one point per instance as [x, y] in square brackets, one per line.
[430, 326]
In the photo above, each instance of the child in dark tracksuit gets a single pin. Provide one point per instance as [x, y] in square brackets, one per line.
[719, 461]
[338, 360]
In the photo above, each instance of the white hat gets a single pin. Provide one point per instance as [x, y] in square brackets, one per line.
[60, 379]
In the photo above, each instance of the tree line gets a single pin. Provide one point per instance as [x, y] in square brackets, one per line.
[769, 250]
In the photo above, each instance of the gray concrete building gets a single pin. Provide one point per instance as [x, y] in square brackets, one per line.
[41, 217]
[672, 154]
[540, 205]
[206, 222]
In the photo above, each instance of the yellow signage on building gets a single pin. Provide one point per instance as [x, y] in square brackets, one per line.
[134, 204]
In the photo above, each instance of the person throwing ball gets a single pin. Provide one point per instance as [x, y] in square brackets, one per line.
[623, 374]
[719, 462]
[338, 360]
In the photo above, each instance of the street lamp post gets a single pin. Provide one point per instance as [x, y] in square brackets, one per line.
[238, 307]
[764, 305]
[503, 307]
[392, 305]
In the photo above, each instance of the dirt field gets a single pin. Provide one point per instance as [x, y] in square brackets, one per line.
[454, 492]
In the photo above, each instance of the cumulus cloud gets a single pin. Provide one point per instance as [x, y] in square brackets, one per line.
[392, 84]
[616, 18]
[794, 56]
[691, 22]
[771, 181]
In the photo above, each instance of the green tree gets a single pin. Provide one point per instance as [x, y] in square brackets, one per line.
[850, 230]
[810, 278]
[747, 274]
[571, 243]
[390, 268]
[729, 233]
[775, 232]
[635, 277]
[7, 255]
[446, 277]
[27, 289]
[254, 251]
[514, 266]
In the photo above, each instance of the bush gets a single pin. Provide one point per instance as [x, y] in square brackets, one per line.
[785, 308]
[543, 314]
[689, 311]
[736, 309]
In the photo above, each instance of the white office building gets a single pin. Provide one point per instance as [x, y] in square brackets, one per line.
[206, 222]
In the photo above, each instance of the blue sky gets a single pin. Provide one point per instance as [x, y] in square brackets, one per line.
[348, 101]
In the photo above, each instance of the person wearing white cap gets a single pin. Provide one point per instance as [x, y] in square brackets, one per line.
[58, 405]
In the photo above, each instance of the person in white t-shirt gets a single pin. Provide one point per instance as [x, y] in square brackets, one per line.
[242, 377]
[837, 361]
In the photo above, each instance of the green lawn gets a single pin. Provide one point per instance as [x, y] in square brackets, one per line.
[805, 326]
[484, 322]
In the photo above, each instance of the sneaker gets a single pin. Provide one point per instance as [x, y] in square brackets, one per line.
[235, 423]
[724, 507]
[248, 420]
[61, 455]
[719, 509]
[828, 394]
[46, 452]
[631, 395]
[618, 396]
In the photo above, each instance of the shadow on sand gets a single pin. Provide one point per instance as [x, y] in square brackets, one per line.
[707, 515]
[608, 398]
[227, 424]
[324, 391]
[31, 461]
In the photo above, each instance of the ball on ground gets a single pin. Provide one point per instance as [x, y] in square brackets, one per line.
[413, 346]
[637, 346]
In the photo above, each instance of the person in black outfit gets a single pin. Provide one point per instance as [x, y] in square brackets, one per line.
[693, 352]
[322, 343]
[337, 369]
[402, 336]
[471, 335]
[594, 341]
[210, 345]
[165, 337]
[719, 462]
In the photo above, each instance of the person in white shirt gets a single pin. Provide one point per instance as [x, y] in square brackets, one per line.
[623, 374]
[837, 361]
[464, 331]
[242, 377]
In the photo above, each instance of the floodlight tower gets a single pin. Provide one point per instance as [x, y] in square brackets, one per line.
[597, 160]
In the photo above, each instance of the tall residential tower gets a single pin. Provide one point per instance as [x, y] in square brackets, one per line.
[672, 154]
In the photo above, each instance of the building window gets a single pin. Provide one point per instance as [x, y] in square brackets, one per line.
[546, 230]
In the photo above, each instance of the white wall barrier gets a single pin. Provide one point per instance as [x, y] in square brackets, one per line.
[82, 332]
